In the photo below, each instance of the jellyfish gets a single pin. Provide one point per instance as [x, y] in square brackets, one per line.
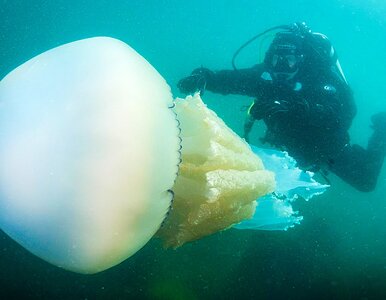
[96, 158]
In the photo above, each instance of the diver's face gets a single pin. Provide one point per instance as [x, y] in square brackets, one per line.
[284, 64]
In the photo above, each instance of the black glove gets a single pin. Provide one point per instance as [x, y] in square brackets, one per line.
[197, 81]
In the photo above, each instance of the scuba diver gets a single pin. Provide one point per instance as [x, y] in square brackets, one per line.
[303, 97]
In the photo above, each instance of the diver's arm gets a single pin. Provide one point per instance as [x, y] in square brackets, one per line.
[241, 82]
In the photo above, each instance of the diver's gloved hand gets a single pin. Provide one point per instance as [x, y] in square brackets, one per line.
[377, 142]
[379, 122]
[197, 81]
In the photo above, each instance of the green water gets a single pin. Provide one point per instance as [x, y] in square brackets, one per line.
[339, 251]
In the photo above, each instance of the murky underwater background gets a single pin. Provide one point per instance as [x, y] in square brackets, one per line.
[339, 251]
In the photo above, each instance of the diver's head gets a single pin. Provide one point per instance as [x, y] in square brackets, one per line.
[284, 56]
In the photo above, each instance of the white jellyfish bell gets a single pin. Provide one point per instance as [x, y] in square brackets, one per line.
[85, 162]
[90, 149]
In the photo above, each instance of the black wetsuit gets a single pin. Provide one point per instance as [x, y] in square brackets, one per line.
[309, 118]
[308, 113]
